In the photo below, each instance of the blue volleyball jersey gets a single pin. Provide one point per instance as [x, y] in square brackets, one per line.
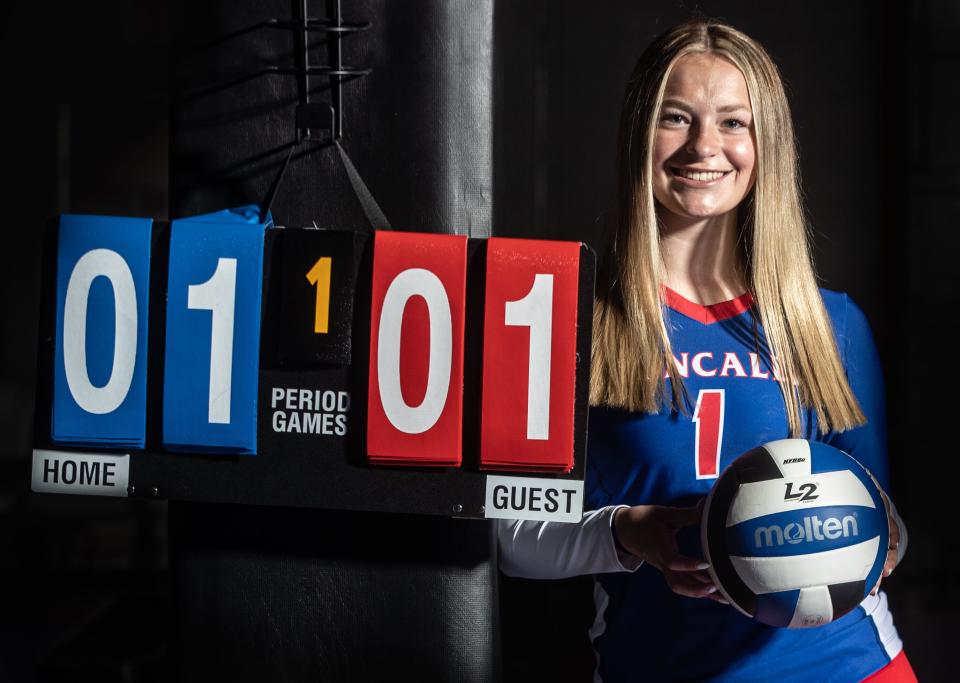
[644, 631]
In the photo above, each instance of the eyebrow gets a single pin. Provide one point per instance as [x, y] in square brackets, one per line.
[680, 104]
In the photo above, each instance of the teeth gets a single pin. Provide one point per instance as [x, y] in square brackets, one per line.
[699, 175]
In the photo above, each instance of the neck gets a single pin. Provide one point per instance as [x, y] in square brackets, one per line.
[700, 256]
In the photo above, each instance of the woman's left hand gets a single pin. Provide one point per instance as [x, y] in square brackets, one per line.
[893, 546]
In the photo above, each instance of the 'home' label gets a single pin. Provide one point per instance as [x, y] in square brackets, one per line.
[86, 474]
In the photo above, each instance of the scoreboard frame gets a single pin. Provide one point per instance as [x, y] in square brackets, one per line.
[294, 472]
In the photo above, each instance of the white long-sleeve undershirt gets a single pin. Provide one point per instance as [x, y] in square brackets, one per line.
[559, 550]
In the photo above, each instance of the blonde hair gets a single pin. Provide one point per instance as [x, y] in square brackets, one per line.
[632, 354]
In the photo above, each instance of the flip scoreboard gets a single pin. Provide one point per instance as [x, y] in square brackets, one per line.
[218, 359]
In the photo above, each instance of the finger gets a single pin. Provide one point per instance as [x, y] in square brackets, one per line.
[681, 517]
[688, 583]
[718, 597]
[892, 525]
[889, 565]
[681, 584]
[682, 563]
[701, 576]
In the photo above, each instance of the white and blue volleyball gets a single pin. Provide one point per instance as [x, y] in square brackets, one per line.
[795, 532]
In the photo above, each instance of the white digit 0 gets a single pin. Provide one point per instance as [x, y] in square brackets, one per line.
[535, 311]
[414, 282]
[109, 264]
[218, 295]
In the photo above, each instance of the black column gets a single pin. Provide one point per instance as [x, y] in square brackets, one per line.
[291, 594]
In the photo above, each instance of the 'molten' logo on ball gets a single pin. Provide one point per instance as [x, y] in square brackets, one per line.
[812, 529]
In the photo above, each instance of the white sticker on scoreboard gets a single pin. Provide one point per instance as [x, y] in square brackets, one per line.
[549, 500]
[85, 474]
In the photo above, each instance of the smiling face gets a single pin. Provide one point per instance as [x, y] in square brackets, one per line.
[703, 151]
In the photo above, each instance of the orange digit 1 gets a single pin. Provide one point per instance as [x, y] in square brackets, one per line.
[708, 417]
[319, 276]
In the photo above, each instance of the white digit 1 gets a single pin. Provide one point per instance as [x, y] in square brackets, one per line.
[109, 264]
[708, 417]
[535, 311]
[218, 295]
[414, 282]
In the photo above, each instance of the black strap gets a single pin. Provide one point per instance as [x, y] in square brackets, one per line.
[372, 210]
[376, 217]
[272, 192]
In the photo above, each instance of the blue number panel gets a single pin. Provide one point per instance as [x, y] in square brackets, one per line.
[213, 335]
[100, 366]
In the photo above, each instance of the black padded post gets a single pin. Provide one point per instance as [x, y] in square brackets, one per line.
[384, 111]
[275, 594]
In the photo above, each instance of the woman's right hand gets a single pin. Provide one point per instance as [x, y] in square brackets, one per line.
[650, 533]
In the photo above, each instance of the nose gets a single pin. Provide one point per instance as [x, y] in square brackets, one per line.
[704, 141]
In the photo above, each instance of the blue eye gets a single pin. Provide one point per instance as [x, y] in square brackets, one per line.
[735, 124]
[673, 118]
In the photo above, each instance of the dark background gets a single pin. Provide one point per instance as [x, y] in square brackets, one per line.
[873, 91]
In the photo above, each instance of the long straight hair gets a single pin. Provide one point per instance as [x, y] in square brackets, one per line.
[632, 354]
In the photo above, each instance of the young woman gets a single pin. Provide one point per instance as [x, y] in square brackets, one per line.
[708, 310]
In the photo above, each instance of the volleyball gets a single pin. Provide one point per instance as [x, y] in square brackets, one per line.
[795, 532]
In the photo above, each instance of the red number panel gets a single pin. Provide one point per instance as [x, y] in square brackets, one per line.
[529, 355]
[708, 417]
[415, 400]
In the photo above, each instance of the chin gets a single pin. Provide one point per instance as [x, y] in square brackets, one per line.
[700, 211]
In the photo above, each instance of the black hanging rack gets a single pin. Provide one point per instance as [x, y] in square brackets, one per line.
[310, 116]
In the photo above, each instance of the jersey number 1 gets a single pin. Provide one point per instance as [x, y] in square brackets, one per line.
[708, 417]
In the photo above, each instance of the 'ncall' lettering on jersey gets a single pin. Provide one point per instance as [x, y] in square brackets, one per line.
[725, 364]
